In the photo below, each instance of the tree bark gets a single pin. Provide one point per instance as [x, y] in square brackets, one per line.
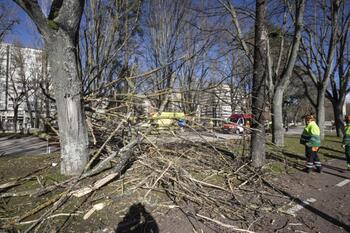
[37, 113]
[321, 110]
[259, 86]
[338, 117]
[15, 117]
[277, 117]
[60, 30]
[69, 100]
[47, 107]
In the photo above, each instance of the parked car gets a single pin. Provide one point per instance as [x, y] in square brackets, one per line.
[237, 123]
[232, 127]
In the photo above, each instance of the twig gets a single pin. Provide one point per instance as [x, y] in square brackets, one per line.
[161, 175]
[89, 124]
[224, 225]
[105, 143]
[52, 216]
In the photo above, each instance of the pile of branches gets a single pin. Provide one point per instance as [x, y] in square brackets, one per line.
[198, 178]
[206, 180]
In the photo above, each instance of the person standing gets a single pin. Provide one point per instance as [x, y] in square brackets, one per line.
[312, 141]
[346, 140]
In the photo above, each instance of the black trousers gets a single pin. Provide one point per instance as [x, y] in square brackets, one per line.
[347, 153]
[312, 158]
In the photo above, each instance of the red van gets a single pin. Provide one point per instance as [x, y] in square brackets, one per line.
[237, 122]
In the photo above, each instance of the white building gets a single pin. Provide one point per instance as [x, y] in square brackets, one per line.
[20, 73]
[217, 102]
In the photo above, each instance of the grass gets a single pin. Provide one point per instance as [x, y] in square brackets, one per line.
[293, 153]
[330, 147]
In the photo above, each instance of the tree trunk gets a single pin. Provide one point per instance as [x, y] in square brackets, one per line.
[15, 117]
[338, 117]
[37, 113]
[330, 60]
[277, 118]
[60, 30]
[26, 95]
[283, 81]
[259, 88]
[69, 100]
[321, 111]
[47, 107]
[29, 108]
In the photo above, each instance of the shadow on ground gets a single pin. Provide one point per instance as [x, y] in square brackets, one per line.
[301, 166]
[331, 149]
[137, 220]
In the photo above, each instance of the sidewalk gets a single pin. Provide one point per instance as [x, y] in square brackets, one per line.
[25, 146]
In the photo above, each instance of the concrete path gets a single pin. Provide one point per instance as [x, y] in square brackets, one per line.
[299, 129]
[320, 201]
[25, 146]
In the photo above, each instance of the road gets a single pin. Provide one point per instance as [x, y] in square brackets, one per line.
[320, 201]
[191, 136]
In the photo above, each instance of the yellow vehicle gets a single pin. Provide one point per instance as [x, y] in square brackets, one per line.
[166, 119]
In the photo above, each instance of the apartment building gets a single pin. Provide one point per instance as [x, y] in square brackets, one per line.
[21, 70]
[219, 101]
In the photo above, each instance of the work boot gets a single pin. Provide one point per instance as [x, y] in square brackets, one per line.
[319, 169]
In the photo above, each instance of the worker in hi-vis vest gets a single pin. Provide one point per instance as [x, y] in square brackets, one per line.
[312, 141]
[346, 140]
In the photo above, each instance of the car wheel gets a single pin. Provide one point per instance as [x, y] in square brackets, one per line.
[238, 131]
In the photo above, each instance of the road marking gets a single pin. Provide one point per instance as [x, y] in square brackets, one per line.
[344, 182]
[298, 207]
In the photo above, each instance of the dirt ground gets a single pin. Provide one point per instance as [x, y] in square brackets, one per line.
[223, 194]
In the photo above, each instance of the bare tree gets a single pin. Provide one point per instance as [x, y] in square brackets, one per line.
[279, 72]
[259, 85]
[260, 73]
[7, 21]
[197, 41]
[107, 43]
[296, 101]
[319, 47]
[163, 31]
[17, 84]
[279, 78]
[60, 31]
[45, 84]
[339, 80]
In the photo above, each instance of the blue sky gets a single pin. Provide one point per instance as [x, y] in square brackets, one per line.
[25, 32]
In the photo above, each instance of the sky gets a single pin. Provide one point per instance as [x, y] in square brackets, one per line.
[25, 31]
